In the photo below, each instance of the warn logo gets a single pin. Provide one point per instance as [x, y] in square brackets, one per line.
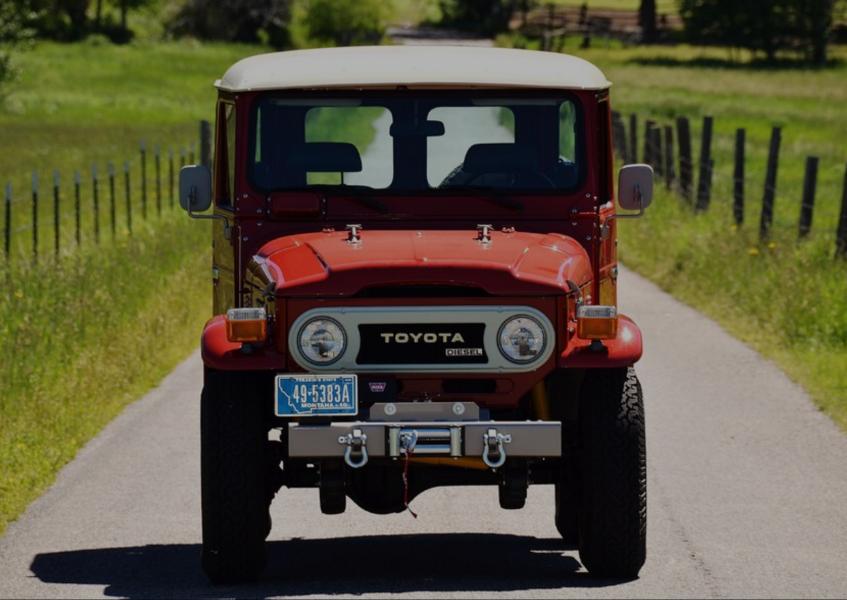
[425, 338]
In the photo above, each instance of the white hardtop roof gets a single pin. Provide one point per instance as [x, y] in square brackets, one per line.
[411, 66]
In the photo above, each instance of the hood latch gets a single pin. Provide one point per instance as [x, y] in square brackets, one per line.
[483, 234]
[354, 234]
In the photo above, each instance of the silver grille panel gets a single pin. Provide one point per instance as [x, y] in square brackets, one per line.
[491, 316]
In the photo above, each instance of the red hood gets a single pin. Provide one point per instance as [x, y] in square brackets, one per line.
[326, 263]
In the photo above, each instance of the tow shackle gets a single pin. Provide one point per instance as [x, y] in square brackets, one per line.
[356, 452]
[494, 443]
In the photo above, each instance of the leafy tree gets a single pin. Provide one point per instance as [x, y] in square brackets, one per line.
[235, 20]
[486, 17]
[347, 22]
[13, 32]
[647, 21]
[801, 25]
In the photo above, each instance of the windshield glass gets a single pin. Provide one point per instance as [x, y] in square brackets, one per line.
[415, 143]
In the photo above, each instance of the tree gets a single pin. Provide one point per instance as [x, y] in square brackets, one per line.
[768, 27]
[13, 32]
[235, 20]
[347, 22]
[487, 17]
[647, 21]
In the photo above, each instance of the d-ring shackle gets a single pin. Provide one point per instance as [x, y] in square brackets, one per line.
[491, 440]
[358, 442]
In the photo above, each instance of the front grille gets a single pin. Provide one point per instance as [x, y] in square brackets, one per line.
[420, 339]
[410, 344]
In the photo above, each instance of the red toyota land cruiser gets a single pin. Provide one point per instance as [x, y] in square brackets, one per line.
[414, 286]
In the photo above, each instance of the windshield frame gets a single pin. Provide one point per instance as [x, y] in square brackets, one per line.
[581, 143]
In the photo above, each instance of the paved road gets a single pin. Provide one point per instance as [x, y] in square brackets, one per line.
[747, 489]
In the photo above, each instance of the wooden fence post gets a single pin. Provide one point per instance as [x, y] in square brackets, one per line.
[683, 138]
[840, 233]
[669, 174]
[143, 180]
[128, 195]
[770, 184]
[35, 217]
[648, 141]
[77, 207]
[657, 150]
[112, 216]
[633, 138]
[738, 178]
[56, 232]
[7, 237]
[618, 136]
[704, 179]
[158, 168]
[206, 144]
[96, 203]
[810, 182]
[171, 177]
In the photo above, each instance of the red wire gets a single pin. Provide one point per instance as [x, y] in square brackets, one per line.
[408, 454]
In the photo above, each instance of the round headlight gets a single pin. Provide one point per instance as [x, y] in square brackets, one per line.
[522, 339]
[322, 341]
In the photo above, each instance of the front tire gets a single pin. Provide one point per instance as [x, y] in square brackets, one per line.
[235, 486]
[612, 470]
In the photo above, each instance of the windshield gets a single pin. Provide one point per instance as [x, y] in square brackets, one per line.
[415, 143]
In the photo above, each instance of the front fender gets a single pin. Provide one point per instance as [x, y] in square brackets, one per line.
[221, 354]
[622, 351]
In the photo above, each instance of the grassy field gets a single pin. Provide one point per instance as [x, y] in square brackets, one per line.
[83, 105]
[786, 299]
[83, 335]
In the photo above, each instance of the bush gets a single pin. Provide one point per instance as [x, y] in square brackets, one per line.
[347, 22]
[768, 27]
[487, 17]
[247, 21]
[13, 32]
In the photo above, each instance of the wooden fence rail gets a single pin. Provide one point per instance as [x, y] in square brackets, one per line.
[675, 164]
[90, 194]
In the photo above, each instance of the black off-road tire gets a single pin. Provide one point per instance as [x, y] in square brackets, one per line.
[567, 523]
[235, 483]
[612, 472]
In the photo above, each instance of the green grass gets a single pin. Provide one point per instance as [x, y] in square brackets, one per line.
[76, 106]
[83, 334]
[786, 299]
[83, 337]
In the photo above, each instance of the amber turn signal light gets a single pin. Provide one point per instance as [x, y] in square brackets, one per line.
[249, 325]
[595, 322]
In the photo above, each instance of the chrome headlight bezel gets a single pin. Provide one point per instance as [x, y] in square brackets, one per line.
[539, 331]
[302, 347]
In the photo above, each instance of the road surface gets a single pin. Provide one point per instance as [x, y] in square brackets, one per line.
[747, 489]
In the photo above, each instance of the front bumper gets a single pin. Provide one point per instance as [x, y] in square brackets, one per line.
[464, 436]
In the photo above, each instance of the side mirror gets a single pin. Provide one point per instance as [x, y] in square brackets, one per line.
[635, 187]
[195, 188]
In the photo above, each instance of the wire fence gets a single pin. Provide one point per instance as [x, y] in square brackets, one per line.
[674, 166]
[62, 213]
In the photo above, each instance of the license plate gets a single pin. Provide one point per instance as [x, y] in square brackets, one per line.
[316, 395]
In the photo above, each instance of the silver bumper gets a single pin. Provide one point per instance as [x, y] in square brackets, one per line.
[492, 441]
